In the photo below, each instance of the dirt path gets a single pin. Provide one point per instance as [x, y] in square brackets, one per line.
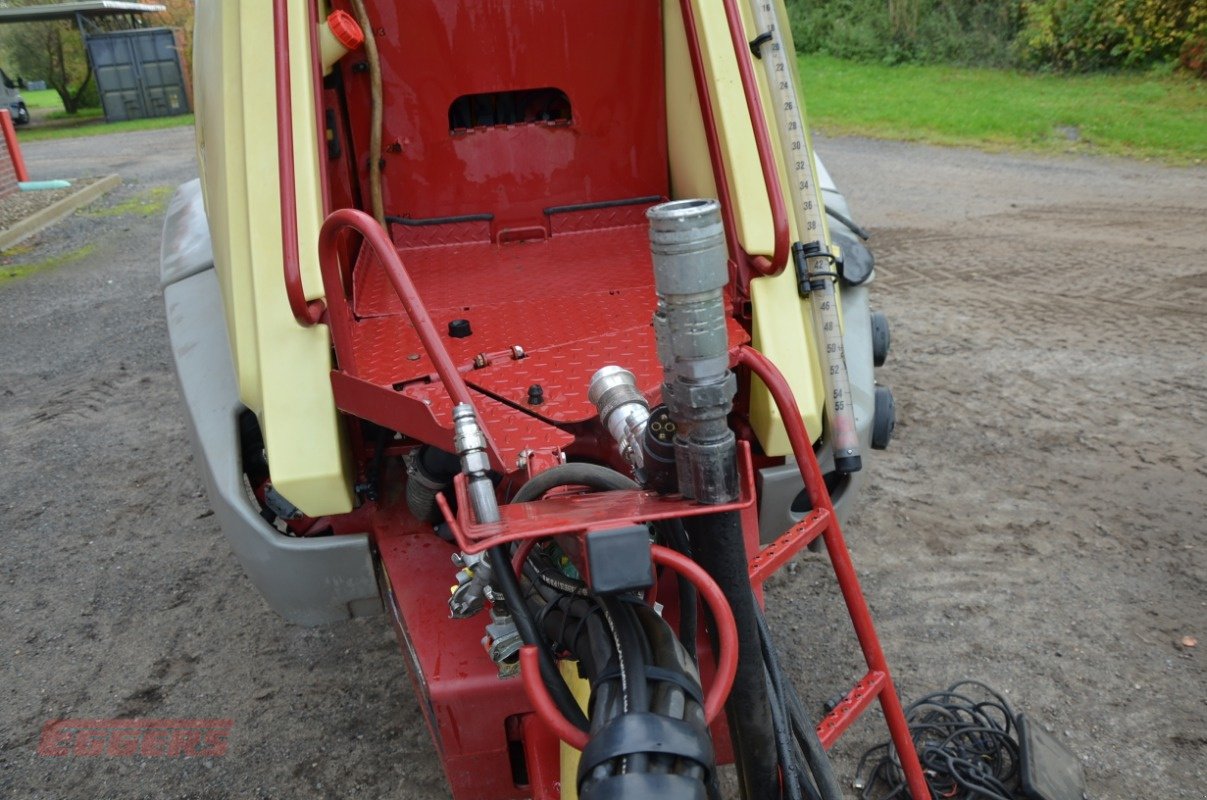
[1039, 522]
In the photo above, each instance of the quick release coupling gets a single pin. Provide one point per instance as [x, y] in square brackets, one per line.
[687, 241]
[623, 410]
[470, 444]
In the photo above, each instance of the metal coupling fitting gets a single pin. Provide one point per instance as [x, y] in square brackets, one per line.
[470, 443]
[622, 409]
[472, 591]
[687, 242]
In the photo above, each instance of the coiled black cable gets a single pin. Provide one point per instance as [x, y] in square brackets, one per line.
[968, 748]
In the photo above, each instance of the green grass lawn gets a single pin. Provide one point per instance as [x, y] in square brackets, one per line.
[1129, 115]
[34, 133]
[45, 98]
[58, 123]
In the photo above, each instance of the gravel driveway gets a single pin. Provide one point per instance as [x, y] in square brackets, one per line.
[1038, 523]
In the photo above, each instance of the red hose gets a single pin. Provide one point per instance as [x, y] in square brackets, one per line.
[380, 244]
[727, 656]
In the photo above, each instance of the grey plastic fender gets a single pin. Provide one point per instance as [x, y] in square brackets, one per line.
[307, 581]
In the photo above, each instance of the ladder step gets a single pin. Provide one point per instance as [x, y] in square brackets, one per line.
[851, 706]
[797, 538]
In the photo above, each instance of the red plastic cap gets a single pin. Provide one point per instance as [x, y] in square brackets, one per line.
[347, 31]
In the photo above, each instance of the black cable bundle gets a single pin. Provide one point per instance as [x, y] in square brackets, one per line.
[648, 732]
[968, 748]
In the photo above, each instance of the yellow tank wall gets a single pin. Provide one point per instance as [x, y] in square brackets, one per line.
[283, 368]
[782, 321]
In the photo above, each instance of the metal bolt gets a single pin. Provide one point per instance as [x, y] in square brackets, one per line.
[517, 352]
[536, 395]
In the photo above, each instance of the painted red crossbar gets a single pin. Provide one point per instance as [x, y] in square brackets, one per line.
[579, 513]
[775, 555]
[878, 683]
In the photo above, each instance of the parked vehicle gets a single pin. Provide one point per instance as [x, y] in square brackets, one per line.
[10, 97]
[538, 300]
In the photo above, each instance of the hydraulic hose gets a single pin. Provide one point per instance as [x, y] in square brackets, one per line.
[576, 473]
[804, 730]
[718, 547]
[500, 563]
[675, 536]
[431, 472]
[648, 729]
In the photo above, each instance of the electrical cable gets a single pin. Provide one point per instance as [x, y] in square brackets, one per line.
[968, 748]
[845, 220]
[376, 111]
[500, 562]
[817, 773]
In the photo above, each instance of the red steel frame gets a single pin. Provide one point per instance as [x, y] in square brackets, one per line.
[877, 684]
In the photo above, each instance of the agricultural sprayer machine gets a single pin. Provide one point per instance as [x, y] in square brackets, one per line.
[549, 302]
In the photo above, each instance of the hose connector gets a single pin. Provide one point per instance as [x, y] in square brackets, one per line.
[687, 242]
[470, 444]
[622, 409]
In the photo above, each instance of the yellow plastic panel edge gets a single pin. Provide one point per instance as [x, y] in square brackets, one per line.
[283, 368]
[782, 322]
[580, 688]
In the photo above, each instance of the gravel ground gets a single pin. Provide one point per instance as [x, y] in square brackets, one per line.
[1038, 523]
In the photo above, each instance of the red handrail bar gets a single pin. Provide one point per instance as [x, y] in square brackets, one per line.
[762, 138]
[375, 238]
[840, 558]
[306, 312]
[727, 655]
[737, 255]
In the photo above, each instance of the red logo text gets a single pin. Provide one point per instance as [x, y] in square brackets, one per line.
[148, 738]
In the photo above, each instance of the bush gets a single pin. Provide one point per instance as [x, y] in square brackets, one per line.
[970, 32]
[1093, 34]
[1075, 35]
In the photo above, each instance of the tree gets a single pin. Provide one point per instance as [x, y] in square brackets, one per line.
[53, 52]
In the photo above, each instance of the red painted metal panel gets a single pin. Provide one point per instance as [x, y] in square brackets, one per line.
[578, 513]
[606, 57]
[465, 702]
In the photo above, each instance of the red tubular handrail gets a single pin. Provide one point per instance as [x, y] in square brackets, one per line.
[736, 254]
[840, 558]
[727, 657]
[305, 312]
[762, 138]
[375, 238]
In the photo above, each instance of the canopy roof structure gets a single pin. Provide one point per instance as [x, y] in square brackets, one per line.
[88, 8]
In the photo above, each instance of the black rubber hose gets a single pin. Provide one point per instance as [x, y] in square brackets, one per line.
[855, 229]
[670, 699]
[434, 470]
[500, 563]
[790, 774]
[592, 476]
[804, 728]
[676, 538]
[630, 651]
[719, 548]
